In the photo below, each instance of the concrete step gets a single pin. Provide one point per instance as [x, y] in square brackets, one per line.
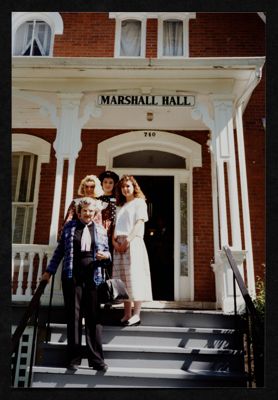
[171, 348]
[165, 336]
[175, 318]
[126, 377]
[155, 356]
[157, 317]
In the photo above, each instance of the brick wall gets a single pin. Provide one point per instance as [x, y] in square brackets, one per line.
[210, 35]
[86, 35]
[226, 35]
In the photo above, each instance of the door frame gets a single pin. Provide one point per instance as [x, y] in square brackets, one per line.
[172, 143]
[183, 286]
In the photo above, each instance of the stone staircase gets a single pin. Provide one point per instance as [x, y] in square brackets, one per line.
[170, 349]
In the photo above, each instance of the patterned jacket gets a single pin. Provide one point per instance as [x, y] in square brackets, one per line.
[65, 248]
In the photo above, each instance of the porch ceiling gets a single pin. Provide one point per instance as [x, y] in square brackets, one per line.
[202, 77]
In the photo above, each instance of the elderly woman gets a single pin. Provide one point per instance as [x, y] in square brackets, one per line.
[84, 247]
[90, 186]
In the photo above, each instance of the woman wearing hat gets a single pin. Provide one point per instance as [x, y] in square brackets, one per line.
[109, 180]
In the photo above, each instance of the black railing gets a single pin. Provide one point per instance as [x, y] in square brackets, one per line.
[254, 324]
[32, 310]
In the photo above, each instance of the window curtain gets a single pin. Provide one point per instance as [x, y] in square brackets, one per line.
[131, 38]
[172, 38]
[24, 169]
[33, 38]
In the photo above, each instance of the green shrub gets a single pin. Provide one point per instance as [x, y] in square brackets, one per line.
[259, 302]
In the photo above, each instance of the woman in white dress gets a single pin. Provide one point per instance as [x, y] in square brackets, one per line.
[131, 263]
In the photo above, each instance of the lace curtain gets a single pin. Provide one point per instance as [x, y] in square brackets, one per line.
[131, 38]
[33, 39]
[172, 38]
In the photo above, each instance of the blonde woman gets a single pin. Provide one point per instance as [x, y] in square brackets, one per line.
[90, 186]
[130, 261]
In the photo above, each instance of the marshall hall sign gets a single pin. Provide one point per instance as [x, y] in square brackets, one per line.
[146, 100]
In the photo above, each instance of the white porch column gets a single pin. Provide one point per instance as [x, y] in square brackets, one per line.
[56, 200]
[245, 204]
[224, 154]
[67, 146]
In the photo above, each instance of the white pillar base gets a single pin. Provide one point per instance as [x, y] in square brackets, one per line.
[224, 282]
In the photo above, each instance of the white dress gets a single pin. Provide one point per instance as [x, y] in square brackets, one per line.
[132, 267]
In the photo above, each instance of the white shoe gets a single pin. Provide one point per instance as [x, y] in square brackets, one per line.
[133, 321]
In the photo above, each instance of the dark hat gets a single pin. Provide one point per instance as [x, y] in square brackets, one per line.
[109, 174]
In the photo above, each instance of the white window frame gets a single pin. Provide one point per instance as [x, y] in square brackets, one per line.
[41, 148]
[30, 43]
[27, 205]
[184, 17]
[53, 19]
[120, 17]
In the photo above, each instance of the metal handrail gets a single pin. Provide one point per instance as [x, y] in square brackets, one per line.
[257, 335]
[240, 282]
[31, 309]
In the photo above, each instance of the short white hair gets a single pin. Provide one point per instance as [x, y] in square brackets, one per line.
[88, 201]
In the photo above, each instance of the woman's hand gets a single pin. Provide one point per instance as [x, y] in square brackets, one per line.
[45, 276]
[122, 247]
[100, 255]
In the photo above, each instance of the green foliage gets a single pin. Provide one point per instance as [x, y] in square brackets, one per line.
[260, 299]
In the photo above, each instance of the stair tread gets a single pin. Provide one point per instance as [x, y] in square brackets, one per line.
[143, 372]
[149, 328]
[161, 349]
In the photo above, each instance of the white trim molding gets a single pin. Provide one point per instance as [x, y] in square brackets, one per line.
[53, 19]
[140, 140]
[262, 16]
[31, 144]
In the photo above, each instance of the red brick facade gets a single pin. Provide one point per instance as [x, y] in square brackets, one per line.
[210, 35]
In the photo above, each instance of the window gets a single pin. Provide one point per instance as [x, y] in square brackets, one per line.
[173, 38]
[173, 35]
[33, 33]
[33, 38]
[149, 159]
[24, 166]
[29, 152]
[130, 37]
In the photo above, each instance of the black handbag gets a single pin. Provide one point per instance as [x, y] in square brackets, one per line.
[112, 291]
